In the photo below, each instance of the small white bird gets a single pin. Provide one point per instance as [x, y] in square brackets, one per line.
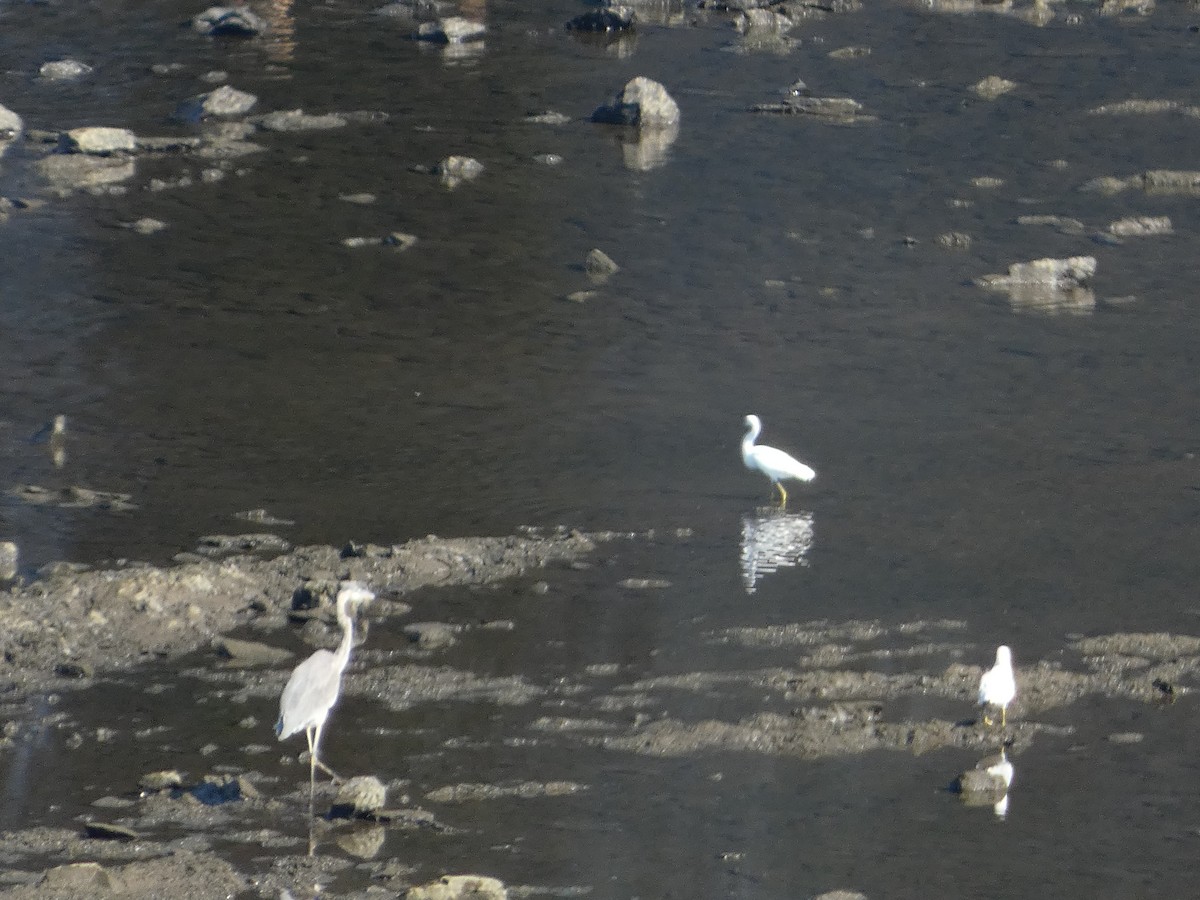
[775, 464]
[998, 686]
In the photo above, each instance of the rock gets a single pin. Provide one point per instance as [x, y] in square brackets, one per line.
[599, 264]
[456, 169]
[245, 654]
[104, 831]
[549, 117]
[643, 103]
[841, 895]
[163, 780]
[978, 784]
[762, 21]
[147, 225]
[1140, 226]
[98, 140]
[234, 21]
[9, 559]
[398, 240]
[73, 171]
[298, 120]
[452, 30]
[1075, 271]
[63, 70]
[612, 19]
[842, 110]
[431, 635]
[225, 101]
[954, 240]
[992, 87]
[359, 796]
[73, 670]
[460, 887]
[84, 879]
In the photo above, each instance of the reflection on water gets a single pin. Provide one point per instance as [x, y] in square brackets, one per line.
[773, 539]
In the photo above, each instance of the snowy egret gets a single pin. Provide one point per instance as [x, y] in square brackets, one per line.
[998, 686]
[313, 689]
[775, 464]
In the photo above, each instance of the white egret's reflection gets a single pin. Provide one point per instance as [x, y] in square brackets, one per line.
[773, 539]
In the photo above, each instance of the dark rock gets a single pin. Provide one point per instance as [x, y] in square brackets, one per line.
[105, 831]
[616, 18]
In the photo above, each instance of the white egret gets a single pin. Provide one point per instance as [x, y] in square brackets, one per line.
[998, 686]
[775, 464]
[313, 689]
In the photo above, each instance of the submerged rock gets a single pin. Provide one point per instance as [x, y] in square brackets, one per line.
[299, 120]
[599, 264]
[234, 21]
[460, 887]
[63, 70]
[98, 140]
[614, 18]
[642, 103]
[75, 171]
[225, 101]
[452, 30]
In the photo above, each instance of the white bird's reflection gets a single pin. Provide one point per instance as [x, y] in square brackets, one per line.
[771, 540]
[993, 791]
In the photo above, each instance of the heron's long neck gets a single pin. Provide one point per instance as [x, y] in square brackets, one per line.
[342, 655]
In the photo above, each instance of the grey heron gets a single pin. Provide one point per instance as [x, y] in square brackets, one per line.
[773, 463]
[313, 689]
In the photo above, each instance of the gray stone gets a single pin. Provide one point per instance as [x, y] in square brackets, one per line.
[243, 654]
[82, 878]
[360, 796]
[9, 558]
[431, 635]
[460, 887]
[235, 21]
[63, 70]
[452, 30]
[98, 140]
[456, 169]
[600, 264]
[643, 103]
[225, 101]
[298, 120]
[71, 171]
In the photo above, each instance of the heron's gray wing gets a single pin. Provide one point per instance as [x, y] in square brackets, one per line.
[309, 694]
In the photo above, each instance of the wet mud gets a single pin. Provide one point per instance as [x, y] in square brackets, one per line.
[232, 829]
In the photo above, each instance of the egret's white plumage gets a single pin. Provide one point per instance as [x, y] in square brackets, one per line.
[313, 689]
[773, 463]
[998, 685]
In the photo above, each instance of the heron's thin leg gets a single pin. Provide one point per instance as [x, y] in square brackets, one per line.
[313, 741]
[1004, 717]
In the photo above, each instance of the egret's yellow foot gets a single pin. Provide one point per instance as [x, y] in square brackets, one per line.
[987, 720]
[1004, 717]
[782, 494]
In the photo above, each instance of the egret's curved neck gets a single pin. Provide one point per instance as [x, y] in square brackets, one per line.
[753, 430]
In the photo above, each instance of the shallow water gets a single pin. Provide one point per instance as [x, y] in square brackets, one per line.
[1030, 471]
